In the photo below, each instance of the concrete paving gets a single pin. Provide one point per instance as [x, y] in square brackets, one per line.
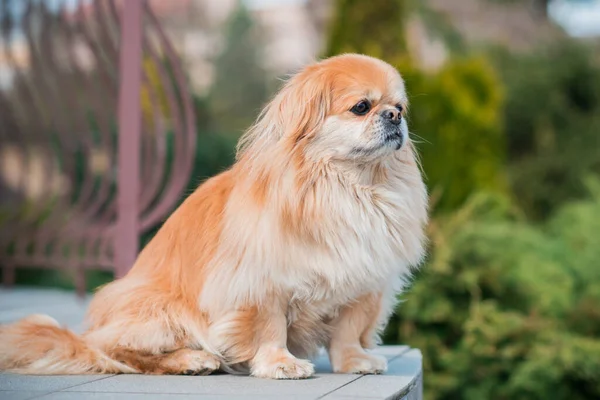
[402, 381]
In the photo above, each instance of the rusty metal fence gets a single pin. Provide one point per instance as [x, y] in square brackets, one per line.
[97, 133]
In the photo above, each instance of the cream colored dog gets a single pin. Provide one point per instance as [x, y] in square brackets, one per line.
[304, 243]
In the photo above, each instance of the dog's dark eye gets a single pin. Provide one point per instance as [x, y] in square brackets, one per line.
[361, 108]
[399, 107]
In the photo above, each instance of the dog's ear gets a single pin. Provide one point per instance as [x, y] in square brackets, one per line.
[295, 113]
[303, 105]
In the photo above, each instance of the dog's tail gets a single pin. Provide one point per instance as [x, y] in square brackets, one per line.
[39, 345]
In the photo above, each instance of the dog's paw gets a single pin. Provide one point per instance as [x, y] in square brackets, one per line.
[282, 366]
[360, 363]
[194, 362]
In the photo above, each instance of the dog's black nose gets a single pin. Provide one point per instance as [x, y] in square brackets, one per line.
[392, 116]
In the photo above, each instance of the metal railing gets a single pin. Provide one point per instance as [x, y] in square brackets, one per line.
[97, 133]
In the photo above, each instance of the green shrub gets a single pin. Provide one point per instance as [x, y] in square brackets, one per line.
[552, 120]
[455, 114]
[505, 309]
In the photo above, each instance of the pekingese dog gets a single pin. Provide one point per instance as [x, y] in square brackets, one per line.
[303, 243]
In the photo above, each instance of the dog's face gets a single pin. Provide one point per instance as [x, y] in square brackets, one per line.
[366, 118]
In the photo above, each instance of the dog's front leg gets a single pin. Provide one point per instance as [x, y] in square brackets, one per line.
[273, 360]
[353, 331]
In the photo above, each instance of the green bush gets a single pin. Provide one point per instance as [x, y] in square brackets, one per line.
[552, 120]
[455, 115]
[505, 309]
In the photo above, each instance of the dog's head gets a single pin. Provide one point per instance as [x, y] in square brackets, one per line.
[345, 108]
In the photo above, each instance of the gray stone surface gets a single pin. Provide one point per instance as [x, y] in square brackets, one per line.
[217, 384]
[45, 383]
[19, 395]
[402, 381]
[64, 306]
[162, 396]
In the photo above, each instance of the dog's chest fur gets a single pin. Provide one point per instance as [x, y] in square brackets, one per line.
[362, 236]
[346, 241]
[369, 237]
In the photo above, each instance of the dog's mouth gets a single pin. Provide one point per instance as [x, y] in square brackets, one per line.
[395, 138]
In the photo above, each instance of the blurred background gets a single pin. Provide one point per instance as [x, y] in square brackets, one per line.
[505, 110]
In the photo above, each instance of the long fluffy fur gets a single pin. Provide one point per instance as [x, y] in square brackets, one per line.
[291, 247]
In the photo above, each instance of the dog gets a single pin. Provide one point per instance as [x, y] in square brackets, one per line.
[304, 243]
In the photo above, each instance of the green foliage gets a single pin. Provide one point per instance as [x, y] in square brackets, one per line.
[455, 112]
[61, 279]
[506, 309]
[552, 120]
[240, 88]
[375, 28]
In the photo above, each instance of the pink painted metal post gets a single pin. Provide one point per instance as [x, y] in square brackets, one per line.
[128, 192]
